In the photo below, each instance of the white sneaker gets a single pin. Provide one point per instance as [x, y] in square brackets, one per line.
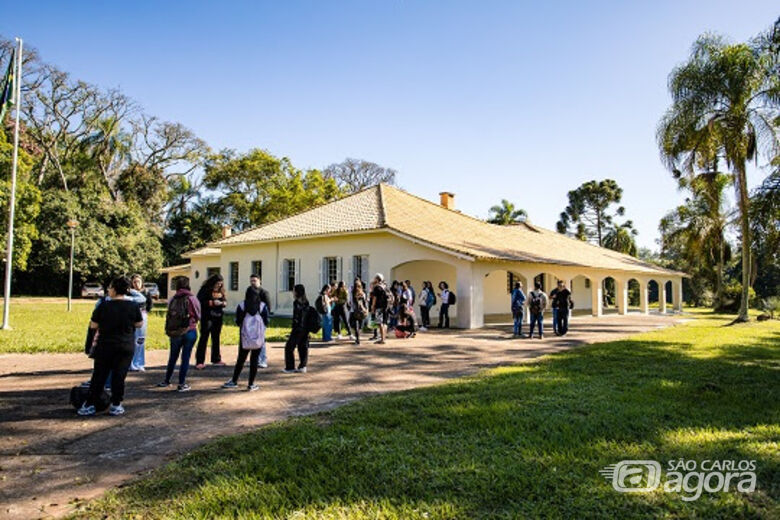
[116, 410]
[352, 337]
[263, 365]
[301, 370]
[423, 329]
[86, 410]
[338, 336]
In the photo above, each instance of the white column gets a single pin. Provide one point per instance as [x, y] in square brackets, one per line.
[621, 295]
[662, 296]
[469, 291]
[596, 296]
[643, 305]
[677, 294]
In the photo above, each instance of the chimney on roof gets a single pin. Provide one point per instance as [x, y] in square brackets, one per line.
[447, 200]
[226, 231]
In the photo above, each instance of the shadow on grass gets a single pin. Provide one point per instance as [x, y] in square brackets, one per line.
[523, 441]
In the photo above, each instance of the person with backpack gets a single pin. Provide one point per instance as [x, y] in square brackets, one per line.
[447, 299]
[561, 304]
[211, 297]
[382, 299]
[305, 320]
[359, 306]
[181, 325]
[115, 321]
[537, 303]
[517, 303]
[425, 306]
[324, 305]
[252, 320]
[340, 304]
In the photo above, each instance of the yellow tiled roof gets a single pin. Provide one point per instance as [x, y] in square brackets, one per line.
[203, 251]
[387, 207]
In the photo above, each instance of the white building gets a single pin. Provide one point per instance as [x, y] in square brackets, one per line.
[387, 230]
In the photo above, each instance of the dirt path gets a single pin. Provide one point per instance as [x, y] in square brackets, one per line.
[51, 460]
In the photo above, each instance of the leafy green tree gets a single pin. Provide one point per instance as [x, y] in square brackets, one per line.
[589, 210]
[620, 238]
[506, 214]
[257, 187]
[695, 233]
[725, 101]
[765, 230]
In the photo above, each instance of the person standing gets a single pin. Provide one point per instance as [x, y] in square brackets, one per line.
[211, 298]
[380, 301]
[518, 303]
[447, 299]
[537, 303]
[137, 291]
[299, 335]
[413, 293]
[554, 308]
[425, 308]
[562, 303]
[252, 320]
[115, 320]
[181, 325]
[340, 304]
[324, 305]
[359, 307]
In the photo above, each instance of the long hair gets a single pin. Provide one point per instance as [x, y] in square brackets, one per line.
[210, 282]
[299, 292]
[252, 300]
[325, 288]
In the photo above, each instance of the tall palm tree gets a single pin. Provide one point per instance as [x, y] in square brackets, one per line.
[725, 100]
[620, 238]
[506, 214]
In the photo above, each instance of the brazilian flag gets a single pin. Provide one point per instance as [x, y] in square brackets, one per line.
[8, 88]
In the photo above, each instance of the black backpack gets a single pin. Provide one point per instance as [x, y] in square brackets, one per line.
[451, 299]
[312, 320]
[79, 394]
[318, 304]
[177, 318]
[535, 302]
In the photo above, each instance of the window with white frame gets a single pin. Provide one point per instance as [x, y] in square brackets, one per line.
[360, 267]
[289, 275]
[330, 270]
[233, 276]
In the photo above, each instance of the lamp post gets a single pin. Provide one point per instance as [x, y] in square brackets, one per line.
[72, 224]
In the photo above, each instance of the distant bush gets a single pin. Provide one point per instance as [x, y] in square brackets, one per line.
[732, 297]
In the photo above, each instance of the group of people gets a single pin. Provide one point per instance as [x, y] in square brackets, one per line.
[536, 303]
[380, 307]
[117, 329]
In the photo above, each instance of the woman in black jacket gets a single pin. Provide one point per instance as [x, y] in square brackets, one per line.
[253, 329]
[299, 336]
[211, 297]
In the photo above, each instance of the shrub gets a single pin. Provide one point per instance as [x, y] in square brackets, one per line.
[732, 297]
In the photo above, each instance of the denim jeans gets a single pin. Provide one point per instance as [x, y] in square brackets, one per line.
[518, 319]
[139, 355]
[555, 320]
[327, 327]
[536, 318]
[181, 344]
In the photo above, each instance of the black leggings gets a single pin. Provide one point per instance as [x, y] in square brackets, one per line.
[113, 361]
[339, 316]
[253, 360]
[298, 339]
[444, 316]
[425, 316]
[211, 326]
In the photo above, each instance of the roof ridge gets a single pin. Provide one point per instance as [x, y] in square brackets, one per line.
[302, 212]
[382, 211]
[396, 188]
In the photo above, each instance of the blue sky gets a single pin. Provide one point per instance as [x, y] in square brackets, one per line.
[487, 99]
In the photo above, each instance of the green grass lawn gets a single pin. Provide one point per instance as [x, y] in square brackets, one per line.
[41, 326]
[523, 441]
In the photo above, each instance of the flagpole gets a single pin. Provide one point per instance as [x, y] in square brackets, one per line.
[12, 204]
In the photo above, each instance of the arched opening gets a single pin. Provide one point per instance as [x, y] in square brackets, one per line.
[669, 298]
[434, 271]
[581, 295]
[609, 301]
[652, 294]
[496, 293]
[634, 295]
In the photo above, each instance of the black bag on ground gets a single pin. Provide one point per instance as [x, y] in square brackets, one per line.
[312, 320]
[79, 394]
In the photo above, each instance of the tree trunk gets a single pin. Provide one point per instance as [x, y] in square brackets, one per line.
[742, 197]
[719, 274]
